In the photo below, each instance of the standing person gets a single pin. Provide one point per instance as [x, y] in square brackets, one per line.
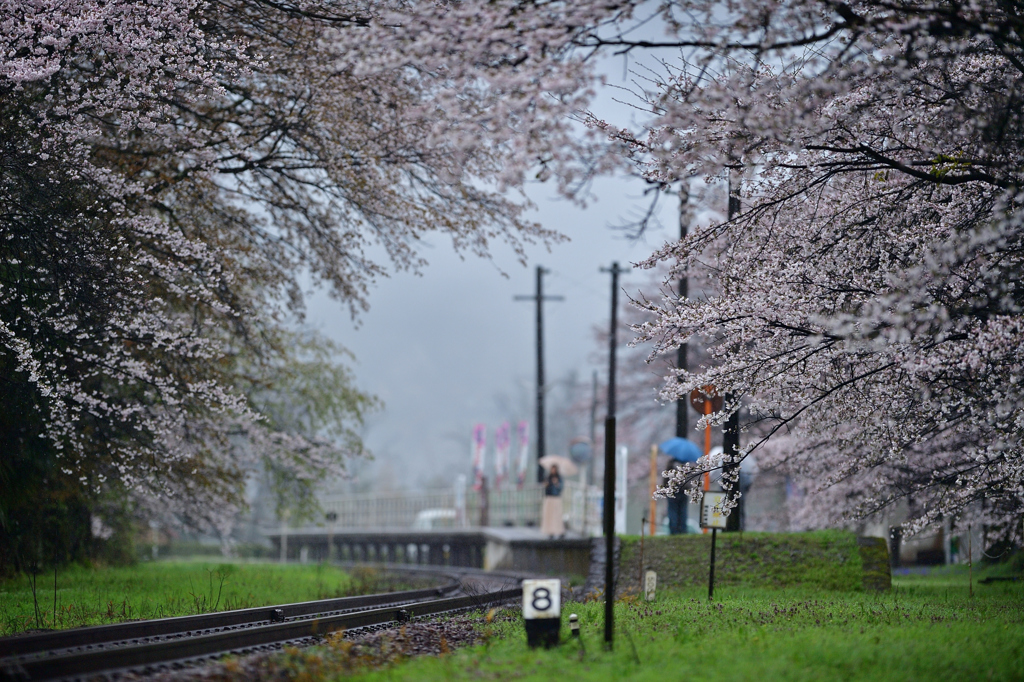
[677, 506]
[680, 452]
[551, 522]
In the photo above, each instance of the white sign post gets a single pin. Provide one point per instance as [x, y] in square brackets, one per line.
[711, 516]
[542, 612]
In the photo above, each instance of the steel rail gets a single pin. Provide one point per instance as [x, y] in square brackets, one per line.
[89, 662]
[21, 645]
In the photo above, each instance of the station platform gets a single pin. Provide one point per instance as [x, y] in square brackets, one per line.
[527, 549]
[515, 548]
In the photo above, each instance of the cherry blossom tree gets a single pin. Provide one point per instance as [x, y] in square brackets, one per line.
[173, 171]
[867, 294]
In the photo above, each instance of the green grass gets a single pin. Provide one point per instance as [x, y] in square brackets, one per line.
[798, 610]
[90, 596]
[828, 560]
[921, 630]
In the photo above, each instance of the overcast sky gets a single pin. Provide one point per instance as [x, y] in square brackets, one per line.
[450, 347]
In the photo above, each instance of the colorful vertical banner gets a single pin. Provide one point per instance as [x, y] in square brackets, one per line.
[523, 434]
[502, 445]
[479, 451]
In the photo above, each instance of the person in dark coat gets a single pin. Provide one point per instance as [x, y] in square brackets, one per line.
[677, 506]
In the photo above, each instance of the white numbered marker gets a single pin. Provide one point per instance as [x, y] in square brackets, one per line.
[542, 599]
[650, 585]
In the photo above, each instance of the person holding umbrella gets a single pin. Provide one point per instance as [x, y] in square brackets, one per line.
[681, 451]
[551, 522]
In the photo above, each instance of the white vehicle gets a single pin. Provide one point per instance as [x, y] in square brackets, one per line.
[433, 519]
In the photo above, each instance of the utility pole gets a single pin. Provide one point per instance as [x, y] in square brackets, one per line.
[593, 430]
[609, 466]
[682, 425]
[731, 428]
[678, 506]
[539, 297]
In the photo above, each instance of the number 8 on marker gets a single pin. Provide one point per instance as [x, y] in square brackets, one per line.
[541, 598]
[541, 594]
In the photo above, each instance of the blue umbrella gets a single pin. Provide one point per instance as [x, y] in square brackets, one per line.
[681, 449]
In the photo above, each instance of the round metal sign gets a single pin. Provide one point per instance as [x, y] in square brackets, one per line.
[580, 451]
[700, 396]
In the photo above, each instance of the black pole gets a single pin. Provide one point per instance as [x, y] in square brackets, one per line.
[593, 431]
[612, 339]
[730, 469]
[609, 529]
[731, 428]
[541, 449]
[609, 467]
[677, 506]
[539, 297]
[711, 576]
[682, 423]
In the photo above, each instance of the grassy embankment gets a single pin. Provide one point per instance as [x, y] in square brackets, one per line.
[91, 596]
[819, 560]
[798, 610]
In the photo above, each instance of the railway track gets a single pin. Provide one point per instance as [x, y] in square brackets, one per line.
[104, 652]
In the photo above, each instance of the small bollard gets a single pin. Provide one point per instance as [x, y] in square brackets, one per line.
[542, 612]
[574, 624]
[650, 585]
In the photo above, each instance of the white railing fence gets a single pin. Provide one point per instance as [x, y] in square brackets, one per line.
[506, 507]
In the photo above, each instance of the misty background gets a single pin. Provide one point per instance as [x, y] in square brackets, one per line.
[451, 347]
